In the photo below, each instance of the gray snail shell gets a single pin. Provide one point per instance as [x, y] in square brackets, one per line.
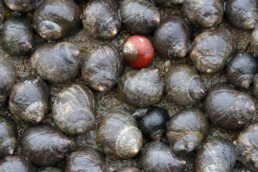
[254, 41]
[100, 18]
[21, 5]
[241, 69]
[29, 100]
[255, 89]
[139, 16]
[186, 130]
[172, 38]
[129, 169]
[229, 108]
[102, 67]
[50, 169]
[87, 159]
[157, 157]
[216, 155]
[167, 3]
[54, 19]
[74, 109]
[17, 36]
[242, 14]
[119, 136]
[13, 163]
[204, 13]
[246, 144]
[183, 85]
[211, 50]
[7, 136]
[57, 63]
[2, 11]
[45, 146]
[8, 77]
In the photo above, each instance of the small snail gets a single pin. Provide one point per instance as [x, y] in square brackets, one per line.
[15, 163]
[229, 108]
[54, 19]
[211, 50]
[138, 51]
[129, 169]
[100, 18]
[74, 109]
[172, 38]
[119, 136]
[254, 41]
[44, 146]
[21, 5]
[183, 85]
[49, 169]
[243, 15]
[187, 129]
[167, 3]
[241, 69]
[141, 88]
[255, 89]
[57, 63]
[139, 16]
[216, 155]
[158, 157]
[2, 11]
[17, 36]
[102, 67]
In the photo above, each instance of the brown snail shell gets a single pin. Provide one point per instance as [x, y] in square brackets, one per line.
[49, 169]
[129, 169]
[15, 163]
[74, 109]
[254, 41]
[119, 136]
[255, 89]
[21, 5]
[167, 3]
[2, 11]
[102, 67]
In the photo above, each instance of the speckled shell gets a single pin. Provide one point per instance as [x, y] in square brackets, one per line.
[29, 100]
[246, 144]
[100, 19]
[15, 163]
[172, 38]
[186, 130]
[57, 63]
[183, 85]
[255, 89]
[167, 3]
[74, 109]
[17, 36]
[254, 41]
[54, 19]
[216, 155]
[2, 11]
[211, 50]
[129, 169]
[229, 108]
[49, 169]
[157, 157]
[139, 16]
[21, 5]
[119, 136]
[102, 67]
[45, 146]
[242, 14]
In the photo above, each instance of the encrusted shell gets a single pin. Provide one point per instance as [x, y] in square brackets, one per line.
[21, 5]
[14, 163]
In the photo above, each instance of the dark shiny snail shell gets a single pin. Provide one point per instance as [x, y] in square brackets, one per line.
[254, 41]
[102, 67]
[172, 38]
[15, 163]
[29, 100]
[157, 157]
[183, 85]
[139, 16]
[255, 89]
[57, 63]
[74, 109]
[100, 19]
[2, 11]
[54, 19]
[167, 3]
[141, 88]
[129, 169]
[229, 108]
[45, 146]
[21, 5]
[119, 136]
[50, 169]
[17, 36]
[186, 130]
[211, 50]
[241, 69]
[216, 155]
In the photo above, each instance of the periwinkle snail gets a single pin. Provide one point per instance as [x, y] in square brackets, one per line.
[2, 11]
[102, 67]
[54, 19]
[255, 89]
[229, 108]
[167, 3]
[172, 38]
[141, 88]
[56, 62]
[100, 18]
[183, 85]
[158, 157]
[21, 5]
[216, 155]
[254, 41]
[16, 163]
[129, 169]
[44, 146]
[139, 16]
[119, 136]
[74, 109]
